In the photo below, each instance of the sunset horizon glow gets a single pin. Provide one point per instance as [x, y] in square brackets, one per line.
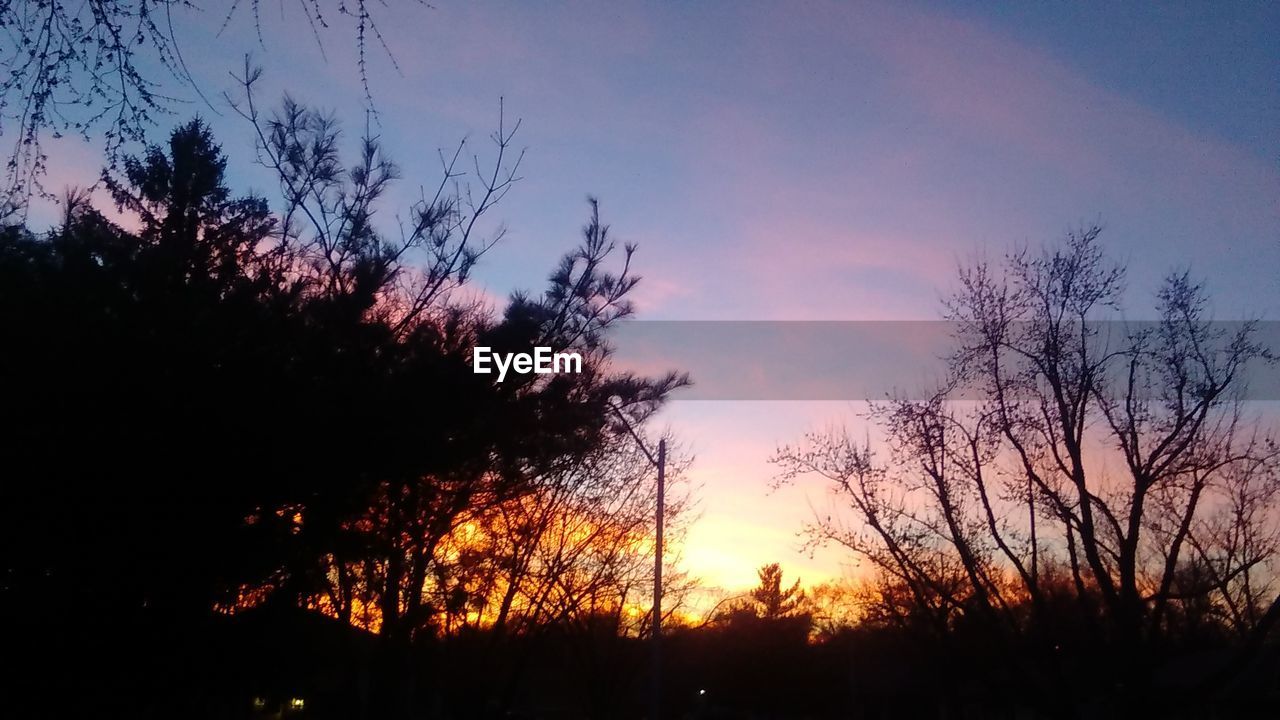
[806, 162]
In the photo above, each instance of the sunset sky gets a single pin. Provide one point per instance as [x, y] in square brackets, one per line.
[806, 161]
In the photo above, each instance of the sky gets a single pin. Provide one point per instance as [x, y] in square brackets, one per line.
[806, 161]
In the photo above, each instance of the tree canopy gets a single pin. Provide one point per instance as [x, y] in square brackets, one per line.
[225, 409]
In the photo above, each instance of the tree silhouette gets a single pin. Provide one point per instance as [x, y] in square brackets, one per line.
[836, 607]
[1114, 467]
[773, 601]
[220, 410]
[75, 67]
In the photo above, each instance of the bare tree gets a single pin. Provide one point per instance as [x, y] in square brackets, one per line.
[836, 607]
[74, 67]
[1117, 457]
[579, 545]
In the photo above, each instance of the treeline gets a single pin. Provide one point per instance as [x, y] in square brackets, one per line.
[239, 409]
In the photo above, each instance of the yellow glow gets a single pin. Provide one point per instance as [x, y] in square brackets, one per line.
[353, 586]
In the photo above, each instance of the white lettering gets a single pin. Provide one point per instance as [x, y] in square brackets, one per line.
[543, 361]
[502, 366]
[572, 362]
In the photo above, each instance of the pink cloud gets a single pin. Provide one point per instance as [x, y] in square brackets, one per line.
[1011, 146]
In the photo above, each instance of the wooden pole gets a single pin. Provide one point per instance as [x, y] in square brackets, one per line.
[657, 581]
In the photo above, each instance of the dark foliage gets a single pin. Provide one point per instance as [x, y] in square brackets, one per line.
[200, 415]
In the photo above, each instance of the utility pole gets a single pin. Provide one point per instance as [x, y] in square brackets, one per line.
[657, 581]
[660, 462]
